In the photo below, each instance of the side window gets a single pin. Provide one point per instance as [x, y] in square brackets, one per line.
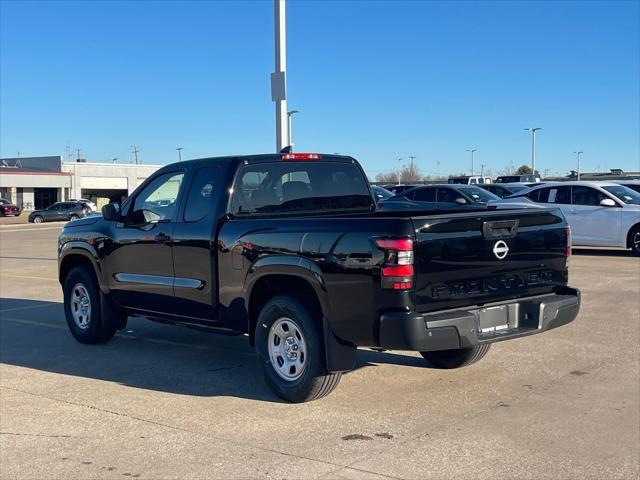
[203, 194]
[586, 196]
[536, 195]
[446, 195]
[559, 195]
[157, 202]
[425, 195]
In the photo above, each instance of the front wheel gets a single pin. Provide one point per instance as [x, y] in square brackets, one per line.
[290, 352]
[38, 219]
[73, 217]
[457, 358]
[82, 307]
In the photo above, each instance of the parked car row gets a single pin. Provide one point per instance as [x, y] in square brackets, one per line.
[603, 214]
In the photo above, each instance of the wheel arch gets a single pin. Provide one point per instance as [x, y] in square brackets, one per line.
[72, 256]
[630, 232]
[302, 279]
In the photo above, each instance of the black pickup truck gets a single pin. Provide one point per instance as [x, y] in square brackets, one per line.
[290, 249]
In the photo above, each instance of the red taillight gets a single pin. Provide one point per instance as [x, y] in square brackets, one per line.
[400, 244]
[397, 273]
[568, 251]
[300, 156]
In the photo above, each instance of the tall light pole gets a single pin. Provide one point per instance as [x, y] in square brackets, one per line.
[482, 165]
[278, 78]
[579, 155]
[533, 131]
[290, 113]
[179, 149]
[473, 159]
[399, 160]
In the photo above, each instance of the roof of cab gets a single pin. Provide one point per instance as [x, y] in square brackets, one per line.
[258, 158]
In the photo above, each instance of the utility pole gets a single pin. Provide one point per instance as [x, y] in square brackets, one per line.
[135, 152]
[579, 154]
[411, 172]
[482, 165]
[78, 157]
[68, 152]
[290, 113]
[179, 149]
[399, 160]
[278, 78]
[473, 159]
[533, 131]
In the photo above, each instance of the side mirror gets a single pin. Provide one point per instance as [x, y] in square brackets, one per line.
[607, 202]
[111, 212]
[461, 201]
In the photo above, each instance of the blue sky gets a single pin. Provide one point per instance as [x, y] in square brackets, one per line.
[377, 80]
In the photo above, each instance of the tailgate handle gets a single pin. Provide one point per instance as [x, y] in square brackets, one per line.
[500, 229]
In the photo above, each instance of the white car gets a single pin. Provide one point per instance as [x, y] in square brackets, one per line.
[91, 205]
[601, 214]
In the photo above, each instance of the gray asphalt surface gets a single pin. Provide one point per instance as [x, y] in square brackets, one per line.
[163, 402]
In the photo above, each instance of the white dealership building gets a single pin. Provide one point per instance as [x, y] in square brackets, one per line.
[37, 182]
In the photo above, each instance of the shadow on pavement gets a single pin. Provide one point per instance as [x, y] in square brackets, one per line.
[146, 355]
[602, 253]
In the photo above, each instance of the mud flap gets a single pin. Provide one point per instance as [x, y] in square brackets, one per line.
[340, 356]
[111, 314]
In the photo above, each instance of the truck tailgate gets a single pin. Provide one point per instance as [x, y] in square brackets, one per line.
[467, 259]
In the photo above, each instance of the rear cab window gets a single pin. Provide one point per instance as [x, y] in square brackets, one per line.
[302, 186]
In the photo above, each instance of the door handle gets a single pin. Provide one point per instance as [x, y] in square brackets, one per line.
[162, 237]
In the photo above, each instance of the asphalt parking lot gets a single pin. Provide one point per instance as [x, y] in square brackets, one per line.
[161, 402]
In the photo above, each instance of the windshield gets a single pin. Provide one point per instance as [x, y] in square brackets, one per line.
[479, 194]
[381, 193]
[624, 194]
[4, 202]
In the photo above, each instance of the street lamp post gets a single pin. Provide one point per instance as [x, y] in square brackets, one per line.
[579, 155]
[179, 149]
[533, 131]
[399, 160]
[290, 113]
[278, 78]
[473, 159]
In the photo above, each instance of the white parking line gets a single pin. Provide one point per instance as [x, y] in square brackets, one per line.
[15, 309]
[39, 229]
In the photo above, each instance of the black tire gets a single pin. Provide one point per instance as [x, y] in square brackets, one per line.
[38, 219]
[314, 381]
[634, 240]
[457, 358]
[81, 283]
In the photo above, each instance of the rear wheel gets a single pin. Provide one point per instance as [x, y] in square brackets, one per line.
[82, 307]
[460, 357]
[290, 352]
[38, 219]
[634, 240]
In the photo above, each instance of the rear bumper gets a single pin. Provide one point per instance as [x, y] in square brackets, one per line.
[462, 328]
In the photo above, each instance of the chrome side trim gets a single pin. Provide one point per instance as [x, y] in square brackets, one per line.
[159, 280]
[144, 279]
